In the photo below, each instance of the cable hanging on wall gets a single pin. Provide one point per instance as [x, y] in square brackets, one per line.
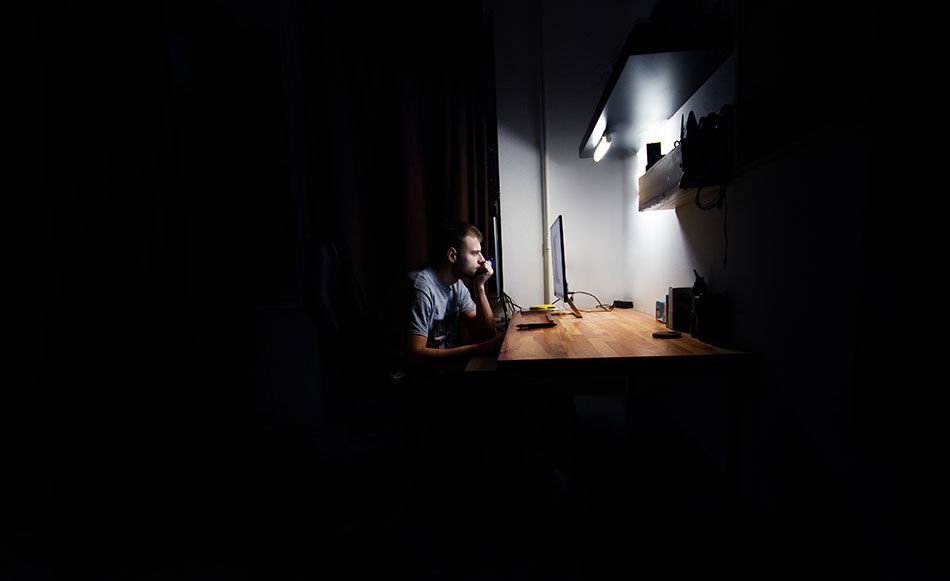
[719, 202]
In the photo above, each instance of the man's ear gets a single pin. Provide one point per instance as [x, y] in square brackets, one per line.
[451, 254]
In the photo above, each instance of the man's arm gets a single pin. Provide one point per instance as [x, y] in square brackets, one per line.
[482, 320]
[418, 357]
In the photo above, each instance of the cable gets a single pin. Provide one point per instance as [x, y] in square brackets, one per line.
[509, 304]
[718, 202]
[598, 305]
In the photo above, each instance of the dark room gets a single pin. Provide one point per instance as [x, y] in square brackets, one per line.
[474, 290]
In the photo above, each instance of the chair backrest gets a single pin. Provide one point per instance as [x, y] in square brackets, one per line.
[332, 294]
[349, 332]
[289, 368]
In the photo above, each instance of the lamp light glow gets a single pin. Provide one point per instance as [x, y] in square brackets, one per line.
[602, 147]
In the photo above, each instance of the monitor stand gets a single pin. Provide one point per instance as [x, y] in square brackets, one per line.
[573, 308]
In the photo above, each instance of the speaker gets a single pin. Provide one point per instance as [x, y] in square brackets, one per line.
[710, 318]
[678, 308]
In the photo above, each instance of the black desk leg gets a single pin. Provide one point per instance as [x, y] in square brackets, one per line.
[734, 420]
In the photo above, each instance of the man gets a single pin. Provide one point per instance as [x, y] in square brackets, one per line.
[438, 324]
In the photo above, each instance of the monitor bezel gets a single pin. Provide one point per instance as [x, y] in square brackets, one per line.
[557, 231]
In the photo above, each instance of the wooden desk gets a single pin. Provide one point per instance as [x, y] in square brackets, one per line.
[621, 341]
[617, 340]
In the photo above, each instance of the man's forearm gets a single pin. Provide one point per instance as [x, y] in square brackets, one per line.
[433, 358]
[484, 317]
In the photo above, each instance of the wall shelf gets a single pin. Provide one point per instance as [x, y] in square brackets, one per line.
[660, 185]
[666, 185]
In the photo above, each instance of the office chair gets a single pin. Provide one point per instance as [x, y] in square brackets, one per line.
[362, 406]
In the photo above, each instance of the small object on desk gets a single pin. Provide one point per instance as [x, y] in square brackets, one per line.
[536, 325]
[666, 335]
[699, 287]
[623, 304]
[541, 307]
[677, 308]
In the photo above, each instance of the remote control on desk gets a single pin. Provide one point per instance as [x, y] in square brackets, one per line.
[666, 335]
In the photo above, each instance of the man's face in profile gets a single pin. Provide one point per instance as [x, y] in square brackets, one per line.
[469, 259]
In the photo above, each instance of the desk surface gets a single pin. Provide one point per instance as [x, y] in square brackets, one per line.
[600, 340]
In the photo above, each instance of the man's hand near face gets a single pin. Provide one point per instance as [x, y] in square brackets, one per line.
[483, 273]
[482, 320]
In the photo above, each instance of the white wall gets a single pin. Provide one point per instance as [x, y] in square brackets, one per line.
[517, 77]
[579, 43]
[658, 255]
[612, 250]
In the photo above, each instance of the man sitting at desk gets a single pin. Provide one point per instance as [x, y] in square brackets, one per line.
[438, 325]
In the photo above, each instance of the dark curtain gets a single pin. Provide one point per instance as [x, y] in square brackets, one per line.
[176, 162]
[398, 116]
[102, 237]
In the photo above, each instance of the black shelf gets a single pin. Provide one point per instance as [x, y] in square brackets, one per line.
[653, 77]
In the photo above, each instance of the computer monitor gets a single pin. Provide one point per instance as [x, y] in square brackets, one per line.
[557, 264]
[493, 251]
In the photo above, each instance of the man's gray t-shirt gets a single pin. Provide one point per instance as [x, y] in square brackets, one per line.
[433, 309]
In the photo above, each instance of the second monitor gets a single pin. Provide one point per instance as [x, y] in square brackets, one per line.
[557, 263]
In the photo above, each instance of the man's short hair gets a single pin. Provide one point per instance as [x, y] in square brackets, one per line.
[452, 235]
